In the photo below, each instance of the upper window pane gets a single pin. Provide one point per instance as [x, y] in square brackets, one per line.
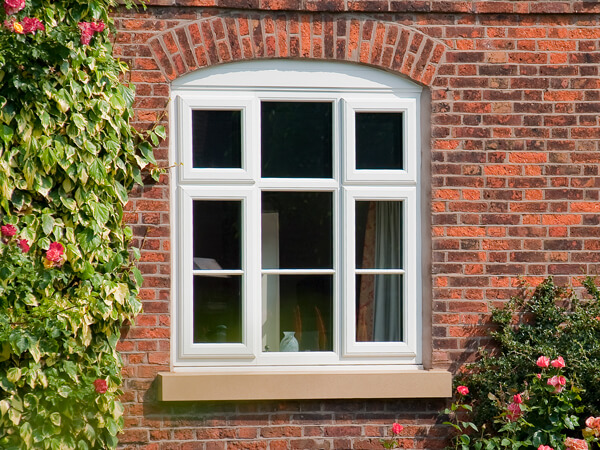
[297, 139]
[379, 140]
[217, 139]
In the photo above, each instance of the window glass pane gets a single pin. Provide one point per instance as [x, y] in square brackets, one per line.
[217, 139]
[217, 234]
[379, 308]
[379, 234]
[378, 140]
[297, 313]
[217, 308]
[296, 139]
[297, 230]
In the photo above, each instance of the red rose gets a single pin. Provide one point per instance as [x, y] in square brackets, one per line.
[88, 29]
[24, 245]
[8, 230]
[100, 385]
[514, 412]
[462, 390]
[558, 362]
[397, 428]
[55, 252]
[13, 6]
[98, 26]
[543, 362]
[517, 398]
[31, 25]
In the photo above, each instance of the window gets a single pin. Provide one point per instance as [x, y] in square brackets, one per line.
[296, 211]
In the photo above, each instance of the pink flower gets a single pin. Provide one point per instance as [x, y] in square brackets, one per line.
[55, 252]
[88, 29]
[514, 412]
[462, 390]
[539, 376]
[575, 444]
[397, 428]
[13, 6]
[543, 361]
[558, 362]
[101, 386]
[8, 230]
[517, 398]
[544, 447]
[558, 382]
[31, 25]
[589, 422]
[98, 26]
[24, 245]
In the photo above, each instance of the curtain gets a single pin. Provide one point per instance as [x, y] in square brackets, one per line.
[388, 288]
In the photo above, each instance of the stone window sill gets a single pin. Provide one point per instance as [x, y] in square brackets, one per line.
[296, 386]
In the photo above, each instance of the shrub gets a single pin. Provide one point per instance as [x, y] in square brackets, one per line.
[68, 157]
[549, 321]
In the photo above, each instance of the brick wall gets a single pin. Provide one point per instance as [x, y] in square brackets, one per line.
[514, 148]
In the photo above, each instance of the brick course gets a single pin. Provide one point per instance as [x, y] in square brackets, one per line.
[514, 174]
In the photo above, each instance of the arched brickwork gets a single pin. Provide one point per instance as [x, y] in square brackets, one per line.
[235, 37]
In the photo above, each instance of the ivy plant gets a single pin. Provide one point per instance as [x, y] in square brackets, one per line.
[68, 158]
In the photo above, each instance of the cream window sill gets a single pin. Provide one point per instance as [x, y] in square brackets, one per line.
[176, 387]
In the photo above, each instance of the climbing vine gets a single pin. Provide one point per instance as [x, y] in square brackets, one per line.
[68, 158]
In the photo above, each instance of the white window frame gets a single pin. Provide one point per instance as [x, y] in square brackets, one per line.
[243, 86]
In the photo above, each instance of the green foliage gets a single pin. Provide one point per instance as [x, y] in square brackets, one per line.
[549, 321]
[68, 157]
[543, 415]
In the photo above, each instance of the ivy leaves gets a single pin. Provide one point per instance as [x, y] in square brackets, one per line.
[68, 157]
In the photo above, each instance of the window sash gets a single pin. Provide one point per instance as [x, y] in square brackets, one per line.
[409, 110]
[408, 348]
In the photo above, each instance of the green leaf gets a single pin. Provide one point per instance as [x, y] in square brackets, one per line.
[55, 418]
[64, 391]
[47, 223]
[4, 407]
[6, 133]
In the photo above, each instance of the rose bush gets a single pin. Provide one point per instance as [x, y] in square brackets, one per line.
[68, 157]
[539, 416]
[540, 328]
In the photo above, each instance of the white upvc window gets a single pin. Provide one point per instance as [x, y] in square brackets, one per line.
[296, 217]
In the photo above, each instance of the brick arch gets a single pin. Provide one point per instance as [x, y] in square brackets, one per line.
[237, 37]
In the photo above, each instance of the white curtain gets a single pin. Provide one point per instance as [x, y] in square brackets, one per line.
[388, 288]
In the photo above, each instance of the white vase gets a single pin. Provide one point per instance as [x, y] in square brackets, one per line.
[289, 343]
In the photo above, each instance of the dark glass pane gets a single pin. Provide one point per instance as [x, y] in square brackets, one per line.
[217, 234]
[297, 139]
[379, 235]
[218, 308]
[297, 230]
[298, 304]
[217, 139]
[379, 308]
[378, 140]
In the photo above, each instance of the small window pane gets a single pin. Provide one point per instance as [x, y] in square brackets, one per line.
[217, 139]
[379, 235]
[217, 309]
[297, 313]
[217, 235]
[297, 230]
[379, 308]
[379, 140]
[297, 139]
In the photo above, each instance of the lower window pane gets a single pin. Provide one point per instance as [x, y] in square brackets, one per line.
[297, 313]
[218, 309]
[379, 308]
